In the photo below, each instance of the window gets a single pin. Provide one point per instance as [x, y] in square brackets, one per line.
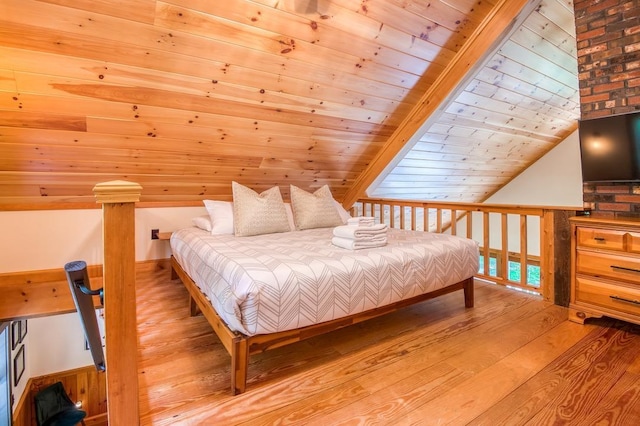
[533, 269]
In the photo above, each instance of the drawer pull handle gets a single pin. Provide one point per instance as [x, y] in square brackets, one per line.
[622, 299]
[599, 239]
[622, 268]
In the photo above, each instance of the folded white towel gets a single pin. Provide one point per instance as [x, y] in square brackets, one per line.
[361, 221]
[360, 232]
[351, 244]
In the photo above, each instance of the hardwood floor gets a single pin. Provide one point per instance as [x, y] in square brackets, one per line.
[511, 360]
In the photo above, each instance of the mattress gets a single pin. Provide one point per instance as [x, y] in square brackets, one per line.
[268, 283]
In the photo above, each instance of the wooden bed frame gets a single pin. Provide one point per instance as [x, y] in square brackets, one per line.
[240, 347]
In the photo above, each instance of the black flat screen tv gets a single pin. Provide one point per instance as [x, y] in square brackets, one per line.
[610, 148]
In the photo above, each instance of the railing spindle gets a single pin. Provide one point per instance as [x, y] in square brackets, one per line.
[504, 250]
[523, 250]
[413, 218]
[392, 216]
[486, 242]
[454, 222]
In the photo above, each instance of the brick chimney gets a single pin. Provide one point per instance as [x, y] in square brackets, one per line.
[608, 38]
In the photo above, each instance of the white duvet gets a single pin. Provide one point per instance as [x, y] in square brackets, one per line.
[269, 283]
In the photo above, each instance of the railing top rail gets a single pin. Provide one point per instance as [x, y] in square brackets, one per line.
[480, 207]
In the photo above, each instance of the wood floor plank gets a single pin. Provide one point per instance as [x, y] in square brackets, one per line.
[432, 363]
[620, 406]
[375, 404]
[489, 386]
[556, 380]
[634, 368]
[466, 354]
[592, 368]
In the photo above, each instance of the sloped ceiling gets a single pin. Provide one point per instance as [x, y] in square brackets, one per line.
[184, 96]
[520, 103]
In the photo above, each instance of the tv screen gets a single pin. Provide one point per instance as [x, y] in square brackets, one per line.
[610, 148]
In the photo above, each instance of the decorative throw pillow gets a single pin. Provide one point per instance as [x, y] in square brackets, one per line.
[317, 210]
[255, 214]
[221, 214]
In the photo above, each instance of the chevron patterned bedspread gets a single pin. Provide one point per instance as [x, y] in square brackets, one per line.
[269, 283]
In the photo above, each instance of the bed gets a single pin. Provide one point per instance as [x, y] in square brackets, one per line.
[266, 291]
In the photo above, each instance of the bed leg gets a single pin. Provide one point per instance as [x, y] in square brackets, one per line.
[239, 365]
[468, 293]
[174, 273]
[194, 309]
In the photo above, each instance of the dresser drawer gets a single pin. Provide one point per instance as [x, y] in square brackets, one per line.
[612, 266]
[601, 238]
[634, 243]
[607, 295]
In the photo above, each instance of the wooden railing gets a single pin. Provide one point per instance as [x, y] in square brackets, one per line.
[118, 208]
[513, 235]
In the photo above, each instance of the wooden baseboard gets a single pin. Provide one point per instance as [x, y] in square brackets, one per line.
[29, 294]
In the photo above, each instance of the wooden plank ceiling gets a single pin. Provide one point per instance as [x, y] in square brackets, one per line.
[183, 96]
[521, 101]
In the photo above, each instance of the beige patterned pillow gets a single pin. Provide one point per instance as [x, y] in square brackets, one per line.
[317, 210]
[255, 214]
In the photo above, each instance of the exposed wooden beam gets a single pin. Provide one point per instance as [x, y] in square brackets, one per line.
[500, 19]
[29, 294]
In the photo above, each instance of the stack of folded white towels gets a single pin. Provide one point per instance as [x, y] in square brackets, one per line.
[360, 233]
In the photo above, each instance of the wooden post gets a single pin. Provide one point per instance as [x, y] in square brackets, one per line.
[560, 287]
[119, 278]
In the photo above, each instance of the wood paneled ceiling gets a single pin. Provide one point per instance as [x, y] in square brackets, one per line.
[520, 102]
[184, 96]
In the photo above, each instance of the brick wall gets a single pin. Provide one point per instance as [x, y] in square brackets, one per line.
[608, 37]
[613, 199]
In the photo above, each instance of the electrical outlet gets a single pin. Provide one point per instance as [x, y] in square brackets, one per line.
[154, 234]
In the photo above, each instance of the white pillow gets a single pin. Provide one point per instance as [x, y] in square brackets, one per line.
[317, 210]
[344, 215]
[221, 215]
[202, 222]
[256, 214]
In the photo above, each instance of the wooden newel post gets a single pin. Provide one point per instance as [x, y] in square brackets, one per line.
[118, 200]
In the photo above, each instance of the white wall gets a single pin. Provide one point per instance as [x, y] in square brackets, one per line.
[554, 180]
[58, 343]
[48, 239]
